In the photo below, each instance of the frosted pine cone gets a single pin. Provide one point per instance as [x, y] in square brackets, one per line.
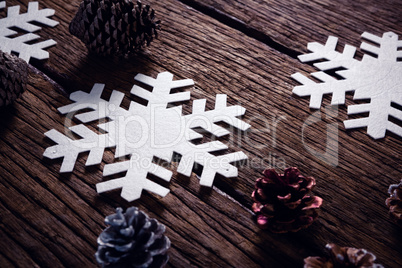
[343, 257]
[13, 78]
[132, 240]
[282, 202]
[116, 27]
[394, 202]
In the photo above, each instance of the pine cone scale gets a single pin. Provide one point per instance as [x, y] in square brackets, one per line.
[311, 202]
[158, 246]
[292, 205]
[262, 221]
[268, 210]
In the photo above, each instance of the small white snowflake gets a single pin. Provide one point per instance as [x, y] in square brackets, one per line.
[2, 4]
[376, 78]
[20, 44]
[144, 132]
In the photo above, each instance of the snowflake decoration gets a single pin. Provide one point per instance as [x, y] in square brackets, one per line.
[376, 78]
[2, 4]
[145, 132]
[20, 44]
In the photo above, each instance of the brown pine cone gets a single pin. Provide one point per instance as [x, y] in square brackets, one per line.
[13, 78]
[282, 202]
[343, 257]
[117, 27]
[394, 202]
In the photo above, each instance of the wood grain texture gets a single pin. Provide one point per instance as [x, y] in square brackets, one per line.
[290, 25]
[247, 51]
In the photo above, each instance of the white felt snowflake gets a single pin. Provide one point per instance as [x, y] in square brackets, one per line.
[376, 78]
[22, 44]
[2, 4]
[144, 132]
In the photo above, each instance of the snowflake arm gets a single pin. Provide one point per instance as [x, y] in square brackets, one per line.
[332, 60]
[377, 122]
[26, 51]
[135, 180]
[92, 142]
[70, 149]
[387, 48]
[2, 4]
[24, 22]
[316, 91]
[132, 186]
[92, 100]
[161, 88]
[221, 113]
[206, 120]
[212, 165]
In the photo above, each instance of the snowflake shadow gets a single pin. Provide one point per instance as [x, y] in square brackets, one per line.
[7, 117]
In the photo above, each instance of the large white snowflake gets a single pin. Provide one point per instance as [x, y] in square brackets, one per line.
[22, 44]
[378, 78]
[144, 132]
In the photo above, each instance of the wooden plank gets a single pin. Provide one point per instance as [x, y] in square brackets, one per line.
[205, 226]
[289, 26]
[17, 256]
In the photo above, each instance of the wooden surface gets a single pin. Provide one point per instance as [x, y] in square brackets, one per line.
[246, 49]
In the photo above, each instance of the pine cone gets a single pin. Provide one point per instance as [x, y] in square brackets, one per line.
[13, 78]
[116, 27]
[343, 257]
[132, 240]
[394, 202]
[282, 203]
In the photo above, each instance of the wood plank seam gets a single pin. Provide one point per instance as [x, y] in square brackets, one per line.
[241, 26]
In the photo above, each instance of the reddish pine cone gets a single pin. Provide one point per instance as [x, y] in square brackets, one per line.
[282, 202]
[394, 202]
[343, 257]
[117, 27]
